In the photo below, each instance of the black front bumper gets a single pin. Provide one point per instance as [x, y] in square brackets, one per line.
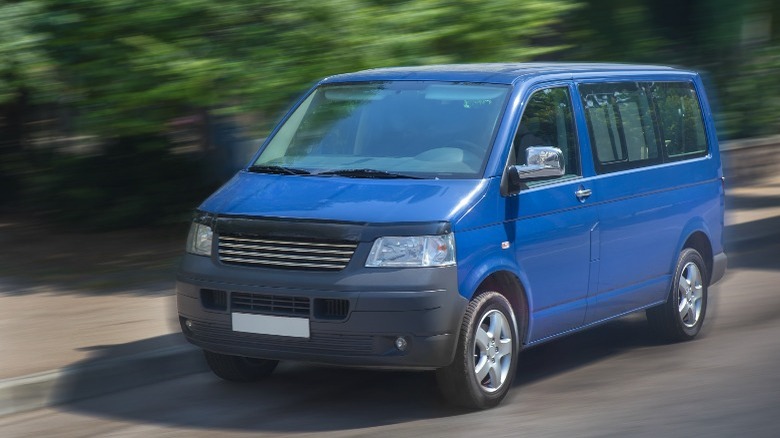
[422, 305]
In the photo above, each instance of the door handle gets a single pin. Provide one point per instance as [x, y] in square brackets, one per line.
[583, 193]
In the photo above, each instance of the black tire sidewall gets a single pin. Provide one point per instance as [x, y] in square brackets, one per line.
[688, 255]
[490, 301]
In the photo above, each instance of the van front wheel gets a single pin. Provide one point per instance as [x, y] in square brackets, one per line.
[681, 317]
[486, 357]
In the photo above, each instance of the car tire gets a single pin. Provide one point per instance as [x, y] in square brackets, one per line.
[238, 368]
[486, 354]
[682, 316]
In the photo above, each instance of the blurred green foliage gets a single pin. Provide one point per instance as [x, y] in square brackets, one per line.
[91, 91]
[130, 67]
[734, 44]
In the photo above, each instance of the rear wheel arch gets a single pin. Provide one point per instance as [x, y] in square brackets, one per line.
[681, 317]
[699, 241]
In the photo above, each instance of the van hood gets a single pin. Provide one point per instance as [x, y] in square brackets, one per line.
[338, 198]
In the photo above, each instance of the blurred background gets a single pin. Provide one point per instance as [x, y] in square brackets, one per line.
[118, 117]
[116, 114]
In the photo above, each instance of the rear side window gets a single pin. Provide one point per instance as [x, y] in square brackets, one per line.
[621, 124]
[680, 118]
[634, 124]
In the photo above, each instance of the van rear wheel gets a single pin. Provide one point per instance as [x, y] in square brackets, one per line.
[239, 368]
[682, 316]
[486, 357]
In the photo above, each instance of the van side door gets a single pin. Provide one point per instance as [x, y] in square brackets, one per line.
[639, 131]
[550, 221]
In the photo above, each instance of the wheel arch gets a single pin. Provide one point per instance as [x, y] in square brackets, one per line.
[696, 235]
[701, 243]
[509, 285]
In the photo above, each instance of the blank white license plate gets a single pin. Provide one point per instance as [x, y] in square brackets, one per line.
[271, 325]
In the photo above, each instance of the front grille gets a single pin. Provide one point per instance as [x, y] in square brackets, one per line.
[269, 304]
[213, 299]
[329, 308]
[285, 254]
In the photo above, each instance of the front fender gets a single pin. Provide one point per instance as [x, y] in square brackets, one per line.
[480, 255]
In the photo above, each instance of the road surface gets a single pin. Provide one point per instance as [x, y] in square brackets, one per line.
[616, 380]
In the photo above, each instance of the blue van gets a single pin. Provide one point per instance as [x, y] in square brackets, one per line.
[447, 217]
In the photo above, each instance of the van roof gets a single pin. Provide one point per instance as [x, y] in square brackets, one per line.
[504, 73]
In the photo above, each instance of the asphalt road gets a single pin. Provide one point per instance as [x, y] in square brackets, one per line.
[616, 380]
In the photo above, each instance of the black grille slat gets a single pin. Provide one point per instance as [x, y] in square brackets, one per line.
[329, 308]
[269, 304]
[319, 342]
[285, 254]
[214, 299]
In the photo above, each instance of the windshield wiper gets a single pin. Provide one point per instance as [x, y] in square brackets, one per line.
[262, 168]
[367, 173]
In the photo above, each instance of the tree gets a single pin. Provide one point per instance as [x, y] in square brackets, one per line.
[131, 66]
[26, 71]
[123, 70]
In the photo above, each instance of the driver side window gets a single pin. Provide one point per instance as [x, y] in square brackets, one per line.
[548, 120]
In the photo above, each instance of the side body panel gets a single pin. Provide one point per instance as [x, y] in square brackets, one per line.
[642, 219]
[549, 231]
[646, 214]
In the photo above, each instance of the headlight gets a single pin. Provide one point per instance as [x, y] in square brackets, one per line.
[199, 239]
[412, 251]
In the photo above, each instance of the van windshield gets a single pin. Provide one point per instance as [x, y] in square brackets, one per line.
[416, 129]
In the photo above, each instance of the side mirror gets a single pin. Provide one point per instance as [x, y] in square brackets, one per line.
[541, 162]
